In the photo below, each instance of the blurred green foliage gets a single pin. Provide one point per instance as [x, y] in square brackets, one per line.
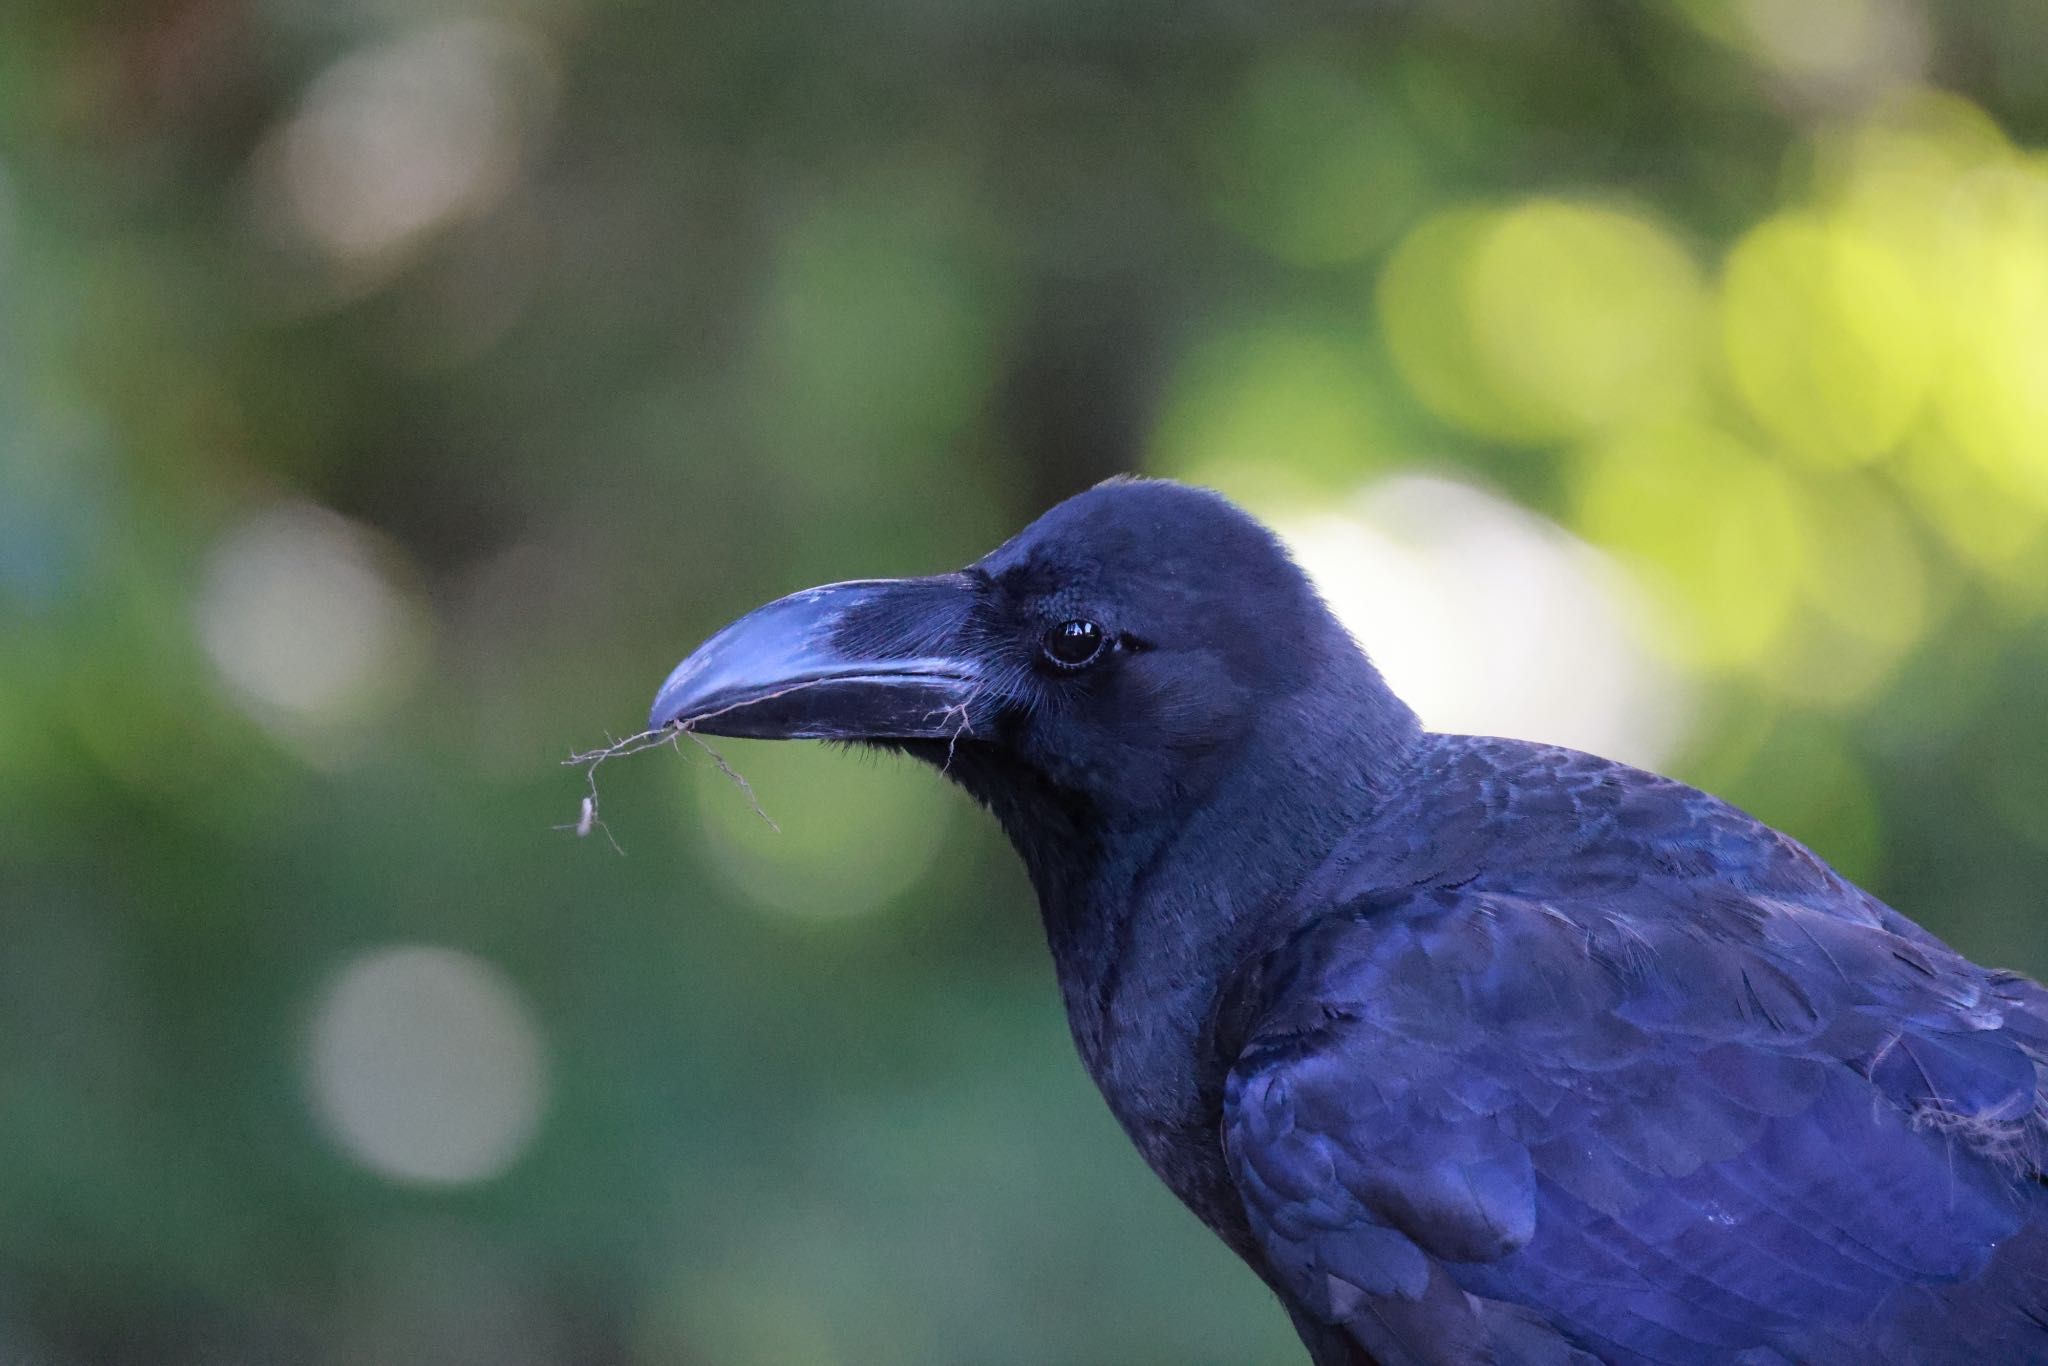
[389, 394]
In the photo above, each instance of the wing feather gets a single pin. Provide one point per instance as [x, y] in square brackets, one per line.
[1472, 1127]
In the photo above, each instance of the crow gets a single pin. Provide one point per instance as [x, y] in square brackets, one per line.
[1474, 1049]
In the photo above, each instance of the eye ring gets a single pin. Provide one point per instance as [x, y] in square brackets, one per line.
[1074, 644]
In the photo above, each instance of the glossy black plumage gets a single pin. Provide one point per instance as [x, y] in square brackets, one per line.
[1584, 1065]
[1476, 1050]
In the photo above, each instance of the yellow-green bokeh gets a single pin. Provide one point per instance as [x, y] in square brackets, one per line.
[1829, 336]
[836, 835]
[1544, 321]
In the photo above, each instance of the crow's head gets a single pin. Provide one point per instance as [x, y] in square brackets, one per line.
[1113, 657]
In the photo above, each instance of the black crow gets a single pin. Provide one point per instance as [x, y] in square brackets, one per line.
[1476, 1050]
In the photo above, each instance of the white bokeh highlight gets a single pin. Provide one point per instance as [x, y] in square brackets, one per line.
[1870, 44]
[395, 142]
[425, 1065]
[300, 619]
[1491, 620]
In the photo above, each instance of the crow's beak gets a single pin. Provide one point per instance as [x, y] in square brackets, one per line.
[878, 659]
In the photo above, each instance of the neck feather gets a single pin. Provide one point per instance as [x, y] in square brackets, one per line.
[1147, 917]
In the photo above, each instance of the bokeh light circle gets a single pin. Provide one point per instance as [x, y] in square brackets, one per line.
[426, 1065]
[1828, 337]
[1543, 321]
[395, 141]
[300, 616]
[851, 833]
[1489, 619]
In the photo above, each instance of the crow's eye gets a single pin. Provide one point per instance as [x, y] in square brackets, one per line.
[1074, 644]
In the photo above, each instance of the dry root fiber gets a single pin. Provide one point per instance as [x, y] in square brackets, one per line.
[587, 818]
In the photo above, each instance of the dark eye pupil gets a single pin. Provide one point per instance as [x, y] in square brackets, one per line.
[1073, 643]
